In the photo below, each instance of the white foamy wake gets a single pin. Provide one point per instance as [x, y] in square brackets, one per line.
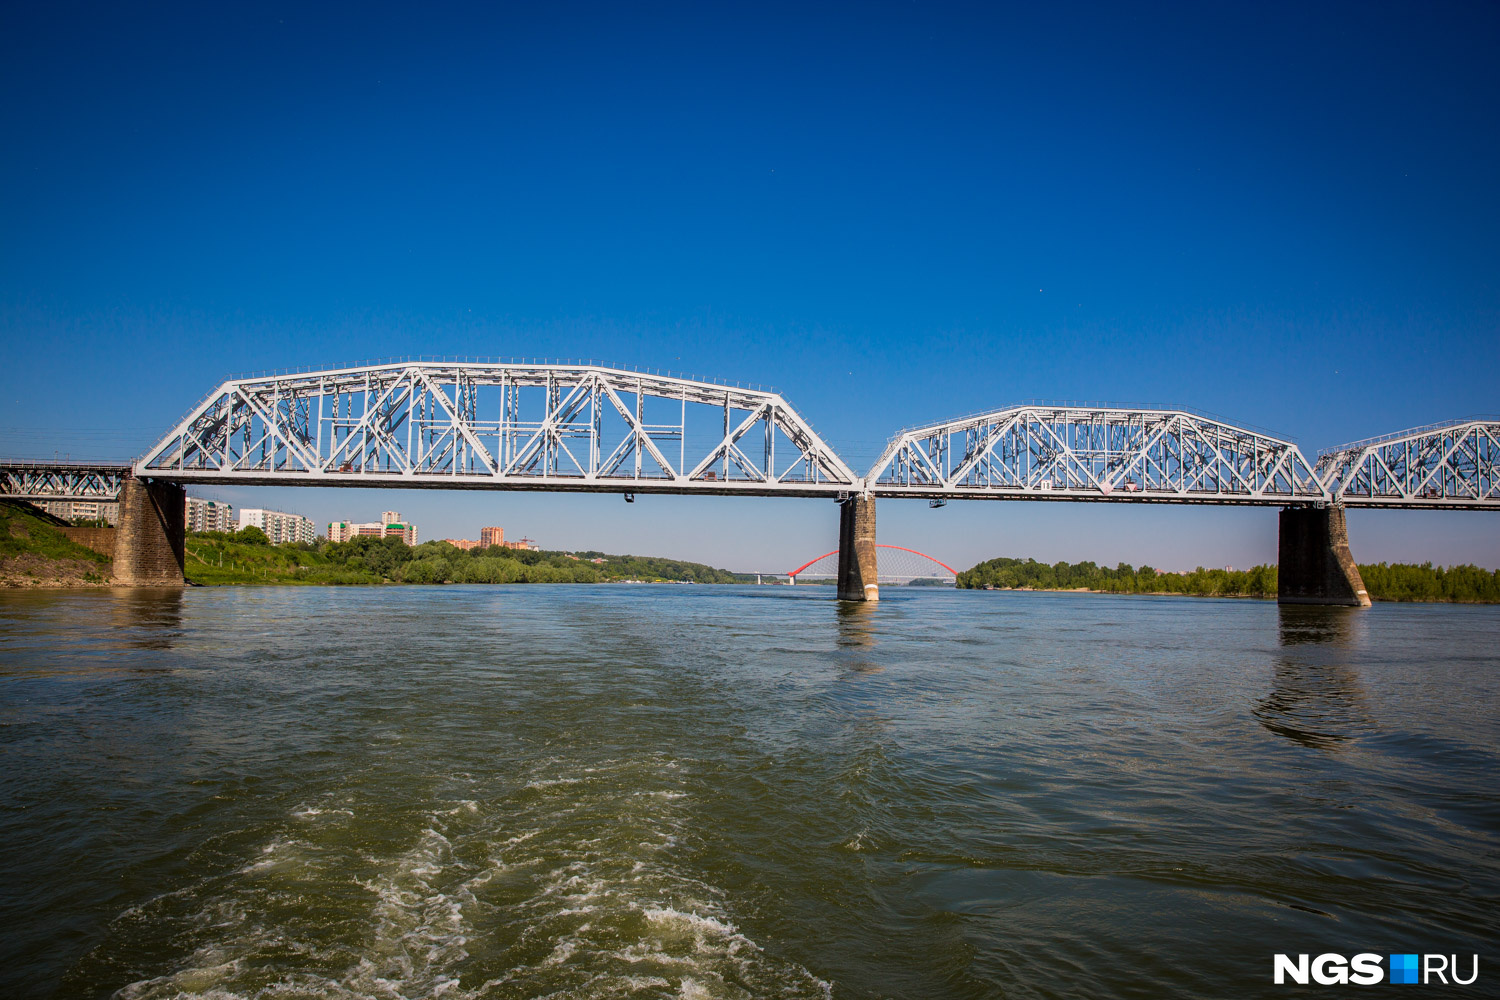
[566, 882]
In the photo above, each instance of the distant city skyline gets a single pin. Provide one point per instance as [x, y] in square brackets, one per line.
[1278, 214]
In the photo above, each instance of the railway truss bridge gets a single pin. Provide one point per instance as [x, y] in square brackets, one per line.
[506, 425]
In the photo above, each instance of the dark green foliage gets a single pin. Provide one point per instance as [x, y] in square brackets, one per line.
[1394, 582]
[1405, 582]
[652, 568]
[1123, 579]
[218, 558]
[251, 535]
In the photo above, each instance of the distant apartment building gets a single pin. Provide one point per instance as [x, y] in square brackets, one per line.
[390, 525]
[279, 527]
[210, 515]
[488, 537]
[73, 510]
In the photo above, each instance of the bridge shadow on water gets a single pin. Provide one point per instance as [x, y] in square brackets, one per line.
[1316, 700]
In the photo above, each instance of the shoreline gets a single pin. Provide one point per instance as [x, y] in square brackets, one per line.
[1176, 593]
[14, 585]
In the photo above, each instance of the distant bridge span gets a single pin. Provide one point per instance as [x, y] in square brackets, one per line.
[492, 425]
[913, 565]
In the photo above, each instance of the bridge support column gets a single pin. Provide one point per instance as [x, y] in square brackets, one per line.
[1314, 564]
[149, 539]
[858, 574]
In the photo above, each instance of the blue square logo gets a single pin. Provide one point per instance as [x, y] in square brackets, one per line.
[1403, 968]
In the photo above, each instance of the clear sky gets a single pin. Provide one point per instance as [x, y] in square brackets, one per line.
[1284, 214]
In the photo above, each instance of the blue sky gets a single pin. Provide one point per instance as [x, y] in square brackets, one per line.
[893, 213]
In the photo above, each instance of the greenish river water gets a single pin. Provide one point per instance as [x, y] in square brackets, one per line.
[734, 792]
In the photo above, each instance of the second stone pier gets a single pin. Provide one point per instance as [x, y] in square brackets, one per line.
[859, 575]
[1314, 563]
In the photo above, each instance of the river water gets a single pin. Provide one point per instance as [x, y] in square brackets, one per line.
[734, 792]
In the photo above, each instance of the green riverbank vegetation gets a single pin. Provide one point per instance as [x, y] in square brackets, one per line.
[34, 553]
[1384, 581]
[246, 556]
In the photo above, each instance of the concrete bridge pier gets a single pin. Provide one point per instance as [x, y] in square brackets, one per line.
[859, 577]
[1314, 564]
[149, 540]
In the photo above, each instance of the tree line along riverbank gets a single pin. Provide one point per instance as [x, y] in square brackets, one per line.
[246, 556]
[37, 553]
[1384, 581]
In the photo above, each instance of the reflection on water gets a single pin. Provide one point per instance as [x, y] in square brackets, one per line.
[145, 617]
[856, 623]
[856, 636]
[73, 632]
[1316, 699]
[1299, 624]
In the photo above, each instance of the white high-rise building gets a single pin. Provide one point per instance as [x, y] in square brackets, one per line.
[69, 510]
[209, 515]
[390, 526]
[279, 527]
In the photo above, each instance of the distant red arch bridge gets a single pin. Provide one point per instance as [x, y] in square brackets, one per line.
[897, 565]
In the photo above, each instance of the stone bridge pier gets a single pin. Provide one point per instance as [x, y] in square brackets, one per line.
[149, 549]
[1314, 564]
[859, 575]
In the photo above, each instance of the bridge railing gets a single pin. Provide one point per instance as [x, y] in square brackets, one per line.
[479, 359]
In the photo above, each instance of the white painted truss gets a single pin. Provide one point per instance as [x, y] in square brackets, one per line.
[1454, 466]
[1046, 452]
[61, 480]
[482, 425]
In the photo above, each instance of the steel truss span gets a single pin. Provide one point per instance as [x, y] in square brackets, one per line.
[1453, 466]
[473, 425]
[62, 480]
[1093, 453]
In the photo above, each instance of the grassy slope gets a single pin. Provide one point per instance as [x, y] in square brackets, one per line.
[35, 553]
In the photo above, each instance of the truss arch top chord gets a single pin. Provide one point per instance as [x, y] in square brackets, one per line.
[480, 425]
[1044, 452]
